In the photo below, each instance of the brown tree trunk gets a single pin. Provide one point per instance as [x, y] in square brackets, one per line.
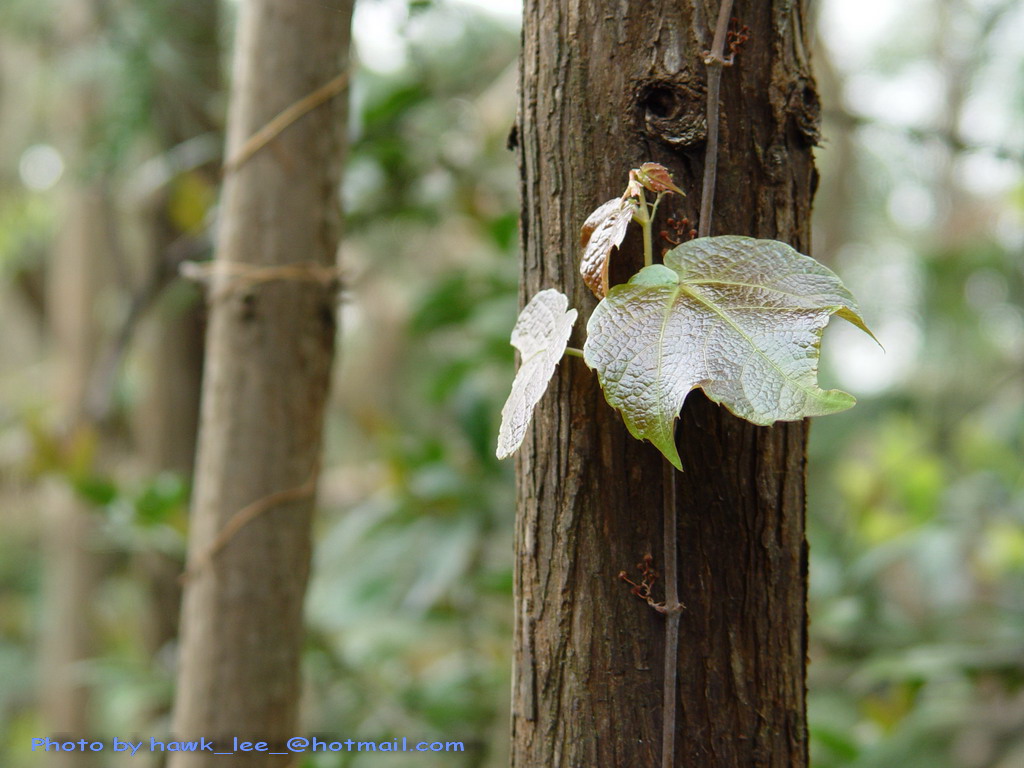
[606, 86]
[269, 352]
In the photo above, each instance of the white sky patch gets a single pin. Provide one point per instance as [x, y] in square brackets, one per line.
[910, 90]
[380, 28]
[913, 96]
[862, 366]
[985, 175]
[40, 167]
[508, 10]
[378, 31]
[884, 277]
[853, 30]
[986, 119]
[911, 205]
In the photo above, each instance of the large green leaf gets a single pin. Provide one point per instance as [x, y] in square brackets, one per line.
[740, 318]
[540, 334]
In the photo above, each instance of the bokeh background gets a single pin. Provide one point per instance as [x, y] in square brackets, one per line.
[916, 512]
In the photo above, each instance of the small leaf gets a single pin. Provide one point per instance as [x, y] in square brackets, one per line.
[540, 334]
[656, 178]
[603, 230]
[95, 489]
[740, 318]
[164, 496]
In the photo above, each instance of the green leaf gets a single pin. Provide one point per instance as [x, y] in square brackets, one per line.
[540, 334]
[740, 318]
[95, 489]
[164, 496]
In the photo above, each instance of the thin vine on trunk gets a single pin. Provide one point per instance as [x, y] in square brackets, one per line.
[715, 63]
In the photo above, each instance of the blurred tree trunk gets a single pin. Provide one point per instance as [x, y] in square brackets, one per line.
[74, 277]
[604, 87]
[171, 345]
[269, 351]
[835, 226]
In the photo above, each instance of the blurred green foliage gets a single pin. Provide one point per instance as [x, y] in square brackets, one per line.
[916, 498]
[409, 603]
[917, 531]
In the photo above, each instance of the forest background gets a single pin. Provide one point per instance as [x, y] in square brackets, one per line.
[916, 496]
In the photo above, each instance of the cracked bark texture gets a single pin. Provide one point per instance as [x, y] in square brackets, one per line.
[269, 350]
[605, 86]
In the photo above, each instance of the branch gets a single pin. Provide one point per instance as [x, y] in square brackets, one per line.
[715, 61]
[673, 608]
[245, 516]
[103, 377]
[276, 126]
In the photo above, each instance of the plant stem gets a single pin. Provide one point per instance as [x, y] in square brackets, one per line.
[673, 609]
[643, 217]
[657, 202]
[715, 62]
[648, 244]
[573, 352]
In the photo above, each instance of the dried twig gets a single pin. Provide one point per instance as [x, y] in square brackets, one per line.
[673, 609]
[715, 61]
[245, 516]
[300, 272]
[225, 276]
[278, 124]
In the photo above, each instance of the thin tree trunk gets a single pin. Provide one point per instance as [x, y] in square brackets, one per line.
[74, 281]
[167, 420]
[166, 427]
[606, 86]
[269, 351]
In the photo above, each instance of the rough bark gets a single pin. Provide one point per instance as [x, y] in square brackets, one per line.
[605, 86]
[269, 351]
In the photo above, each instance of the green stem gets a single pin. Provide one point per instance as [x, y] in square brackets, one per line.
[654, 208]
[643, 218]
[573, 352]
[648, 244]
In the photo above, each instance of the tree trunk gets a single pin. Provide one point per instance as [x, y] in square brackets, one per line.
[171, 346]
[75, 277]
[606, 86]
[269, 352]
